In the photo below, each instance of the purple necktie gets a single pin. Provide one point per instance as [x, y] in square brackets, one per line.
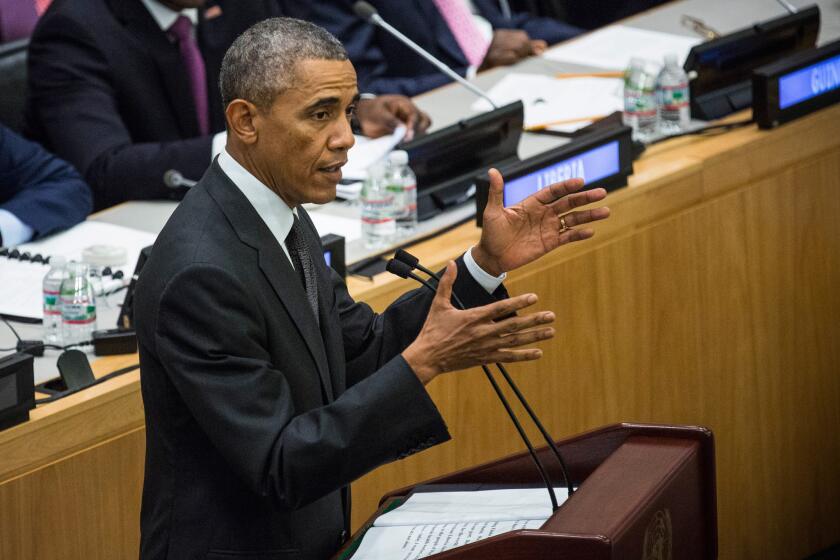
[17, 19]
[181, 31]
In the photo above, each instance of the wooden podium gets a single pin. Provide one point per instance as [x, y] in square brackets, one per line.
[645, 492]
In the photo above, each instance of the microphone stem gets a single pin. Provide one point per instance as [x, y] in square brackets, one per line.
[788, 6]
[376, 19]
[508, 409]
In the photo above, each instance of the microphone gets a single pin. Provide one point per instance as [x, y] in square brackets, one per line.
[403, 270]
[368, 13]
[173, 179]
[788, 6]
[410, 261]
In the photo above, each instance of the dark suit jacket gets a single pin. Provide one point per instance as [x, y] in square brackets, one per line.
[108, 92]
[385, 65]
[42, 191]
[257, 416]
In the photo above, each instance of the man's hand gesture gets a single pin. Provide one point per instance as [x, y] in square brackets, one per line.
[513, 237]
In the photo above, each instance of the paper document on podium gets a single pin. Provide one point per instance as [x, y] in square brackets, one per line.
[431, 522]
[408, 542]
[547, 99]
[612, 47]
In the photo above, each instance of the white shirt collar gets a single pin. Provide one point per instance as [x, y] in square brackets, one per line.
[270, 207]
[165, 16]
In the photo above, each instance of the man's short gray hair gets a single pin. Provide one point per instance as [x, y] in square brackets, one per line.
[260, 64]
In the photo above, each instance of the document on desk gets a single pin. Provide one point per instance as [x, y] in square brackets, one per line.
[547, 99]
[431, 522]
[612, 47]
[366, 151]
[22, 280]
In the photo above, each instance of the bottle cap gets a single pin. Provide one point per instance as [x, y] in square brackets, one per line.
[398, 157]
[104, 255]
[671, 59]
[58, 260]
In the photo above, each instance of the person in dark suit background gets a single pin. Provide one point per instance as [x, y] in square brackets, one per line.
[127, 89]
[266, 388]
[39, 193]
[467, 43]
[18, 17]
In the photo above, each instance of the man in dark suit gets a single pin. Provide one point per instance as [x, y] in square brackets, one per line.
[39, 193]
[467, 35]
[267, 389]
[126, 90]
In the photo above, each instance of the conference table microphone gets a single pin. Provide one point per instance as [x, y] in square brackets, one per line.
[413, 262]
[368, 13]
[174, 180]
[404, 270]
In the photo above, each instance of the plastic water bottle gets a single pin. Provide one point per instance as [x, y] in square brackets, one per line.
[379, 227]
[402, 182]
[672, 96]
[52, 307]
[78, 305]
[640, 110]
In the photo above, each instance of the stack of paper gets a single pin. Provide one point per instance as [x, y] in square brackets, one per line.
[366, 152]
[431, 522]
[22, 280]
[548, 99]
[612, 47]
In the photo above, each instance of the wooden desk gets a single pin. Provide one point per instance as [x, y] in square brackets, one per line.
[710, 297]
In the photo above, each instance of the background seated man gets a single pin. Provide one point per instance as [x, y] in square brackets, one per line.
[126, 90]
[267, 389]
[467, 35]
[39, 193]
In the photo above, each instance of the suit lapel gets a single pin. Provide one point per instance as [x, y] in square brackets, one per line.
[274, 265]
[139, 22]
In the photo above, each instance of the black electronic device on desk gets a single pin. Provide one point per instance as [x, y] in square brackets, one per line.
[603, 158]
[447, 161]
[17, 389]
[334, 253]
[796, 85]
[720, 70]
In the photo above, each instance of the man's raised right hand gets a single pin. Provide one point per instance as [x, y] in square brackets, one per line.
[453, 339]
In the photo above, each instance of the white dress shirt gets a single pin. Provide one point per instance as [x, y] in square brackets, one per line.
[12, 230]
[279, 217]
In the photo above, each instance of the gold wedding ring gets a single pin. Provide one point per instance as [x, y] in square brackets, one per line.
[563, 226]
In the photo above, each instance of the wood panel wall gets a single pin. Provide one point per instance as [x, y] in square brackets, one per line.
[710, 297]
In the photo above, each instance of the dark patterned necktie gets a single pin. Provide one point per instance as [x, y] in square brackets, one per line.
[302, 261]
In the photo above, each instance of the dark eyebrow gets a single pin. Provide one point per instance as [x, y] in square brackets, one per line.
[324, 102]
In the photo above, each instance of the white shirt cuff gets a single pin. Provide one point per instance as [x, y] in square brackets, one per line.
[13, 231]
[219, 141]
[485, 280]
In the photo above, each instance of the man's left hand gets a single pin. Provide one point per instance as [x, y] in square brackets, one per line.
[513, 237]
[381, 115]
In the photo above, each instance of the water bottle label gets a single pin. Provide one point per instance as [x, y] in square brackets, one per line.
[380, 226]
[78, 313]
[51, 306]
[674, 97]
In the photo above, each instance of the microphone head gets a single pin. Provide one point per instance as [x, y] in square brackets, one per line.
[172, 179]
[398, 268]
[364, 10]
[407, 258]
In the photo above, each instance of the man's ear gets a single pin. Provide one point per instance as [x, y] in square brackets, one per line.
[242, 117]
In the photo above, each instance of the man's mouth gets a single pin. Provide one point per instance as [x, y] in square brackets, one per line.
[333, 168]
